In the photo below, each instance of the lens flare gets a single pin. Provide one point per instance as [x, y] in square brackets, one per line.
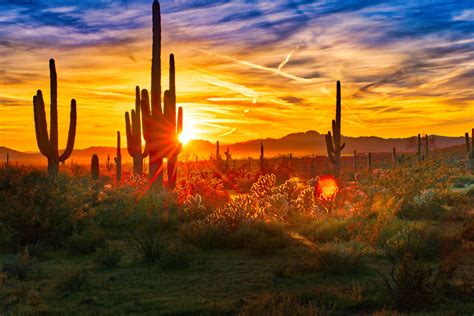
[326, 188]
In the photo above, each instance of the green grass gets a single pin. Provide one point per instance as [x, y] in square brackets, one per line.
[217, 282]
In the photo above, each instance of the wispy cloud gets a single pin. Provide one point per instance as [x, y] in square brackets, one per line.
[244, 68]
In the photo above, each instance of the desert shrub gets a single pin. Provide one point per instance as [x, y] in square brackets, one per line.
[177, 256]
[407, 181]
[210, 188]
[71, 281]
[21, 267]
[193, 209]
[426, 205]
[324, 230]
[36, 207]
[146, 223]
[341, 260]
[260, 238]
[461, 181]
[86, 242]
[241, 211]
[108, 257]
[413, 285]
[426, 244]
[270, 305]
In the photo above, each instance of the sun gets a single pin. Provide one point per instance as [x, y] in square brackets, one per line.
[185, 136]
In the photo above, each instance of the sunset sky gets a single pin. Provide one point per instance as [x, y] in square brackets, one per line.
[245, 69]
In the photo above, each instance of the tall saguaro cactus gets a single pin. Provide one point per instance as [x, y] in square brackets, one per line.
[134, 135]
[333, 141]
[48, 145]
[161, 128]
[262, 157]
[470, 150]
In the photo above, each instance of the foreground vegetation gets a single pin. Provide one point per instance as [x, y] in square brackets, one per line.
[398, 240]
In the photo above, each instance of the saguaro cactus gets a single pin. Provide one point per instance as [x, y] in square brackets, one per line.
[134, 135]
[218, 155]
[118, 160]
[48, 146]
[369, 162]
[427, 146]
[228, 157]
[262, 157]
[313, 167]
[161, 129]
[419, 148]
[95, 167]
[355, 164]
[7, 162]
[470, 150]
[333, 142]
[395, 158]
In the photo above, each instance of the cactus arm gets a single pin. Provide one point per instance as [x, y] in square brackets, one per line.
[146, 115]
[128, 132]
[156, 62]
[330, 147]
[41, 125]
[72, 132]
[342, 146]
[53, 137]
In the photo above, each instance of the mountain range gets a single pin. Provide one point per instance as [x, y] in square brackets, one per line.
[298, 144]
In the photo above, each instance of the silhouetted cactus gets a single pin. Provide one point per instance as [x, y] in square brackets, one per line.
[228, 157]
[355, 164]
[420, 158]
[427, 146]
[262, 157]
[134, 135]
[161, 128]
[395, 158]
[48, 146]
[470, 150]
[118, 160]
[333, 142]
[7, 162]
[108, 164]
[369, 162]
[313, 167]
[95, 167]
[218, 155]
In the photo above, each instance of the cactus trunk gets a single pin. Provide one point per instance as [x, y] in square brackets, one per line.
[369, 162]
[262, 157]
[48, 145]
[333, 141]
[427, 146]
[355, 164]
[419, 148]
[118, 160]
[470, 150]
[95, 167]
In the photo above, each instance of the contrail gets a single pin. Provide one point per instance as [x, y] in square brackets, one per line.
[228, 133]
[268, 69]
[287, 59]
